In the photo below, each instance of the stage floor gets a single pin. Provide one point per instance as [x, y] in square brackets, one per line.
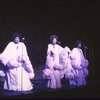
[91, 90]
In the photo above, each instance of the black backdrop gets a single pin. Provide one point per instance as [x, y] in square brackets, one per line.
[37, 20]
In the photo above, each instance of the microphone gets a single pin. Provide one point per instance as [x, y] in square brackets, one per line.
[23, 39]
[58, 42]
[85, 47]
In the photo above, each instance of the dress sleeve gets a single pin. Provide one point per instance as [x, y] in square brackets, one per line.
[5, 55]
[27, 62]
[49, 50]
[75, 59]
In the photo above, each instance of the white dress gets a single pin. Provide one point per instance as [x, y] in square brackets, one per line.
[80, 65]
[19, 69]
[52, 63]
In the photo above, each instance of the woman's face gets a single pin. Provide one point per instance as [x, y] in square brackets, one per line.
[79, 45]
[17, 40]
[54, 41]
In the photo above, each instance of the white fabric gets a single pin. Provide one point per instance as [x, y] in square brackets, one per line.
[78, 59]
[80, 65]
[55, 50]
[65, 62]
[19, 68]
[52, 62]
[2, 73]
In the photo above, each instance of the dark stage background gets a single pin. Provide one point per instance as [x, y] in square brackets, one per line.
[37, 20]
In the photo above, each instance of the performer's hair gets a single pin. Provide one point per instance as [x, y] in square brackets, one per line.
[77, 42]
[52, 37]
[16, 34]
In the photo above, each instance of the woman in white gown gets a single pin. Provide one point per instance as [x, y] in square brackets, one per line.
[19, 70]
[80, 64]
[52, 71]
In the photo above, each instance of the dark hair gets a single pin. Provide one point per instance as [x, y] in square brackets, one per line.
[16, 34]
[52, 37]
[77, 42]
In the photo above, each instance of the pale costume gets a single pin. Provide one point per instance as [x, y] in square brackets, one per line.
[52, 71]
[65, 61]
[80, 65]
[19, 69]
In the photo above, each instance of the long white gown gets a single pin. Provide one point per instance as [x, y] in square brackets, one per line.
[52, 63]
[19, 69]
[80, 65]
